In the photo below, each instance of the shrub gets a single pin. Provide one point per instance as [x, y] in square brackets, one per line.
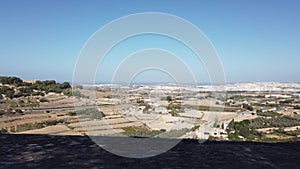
[92, 113]
[11, 81]
[281, 121]
[233, 136]
[3, 131]
[7, 91]
[174, 133]
[248, 107]
[140, 101]
[173, 106]
[169, 98]
[297, 107]
[71, 113]
[2, 112]
[268, 114]
[147, 107]
[174, 113]
[67, 92]
[195, 128]
[43, 100]
[19, 111]
[134, 131]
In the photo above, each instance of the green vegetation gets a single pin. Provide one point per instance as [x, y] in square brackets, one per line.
[140, 132]
[295, 132]
[268, 114]
[39, 125]
[7, 91]
[12, 81]
[173, 106]
[174, 113]
[147, 107]
[2, 112]
[173, 133]
[43, 100]
[14, 87]
[174, 109]
[67, 92]
[244, 129]
[281, 121]
[104, 104]
[195, 128]
[50, 86]
[77, 93]
[234, 136]
[281, 132]
[3, 131]
[168, 98]
[71, 113]
[71, 127]
[287, 101]
[297, 107]
[247, 128]
[218, 109]
[60, 115]
[140, 101]
[19, 111]
[91, 113]
[21, 103]
[248, 107]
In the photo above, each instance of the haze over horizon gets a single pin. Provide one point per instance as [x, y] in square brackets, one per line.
[256, 41]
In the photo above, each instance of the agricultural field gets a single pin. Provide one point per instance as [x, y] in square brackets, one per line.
[167, 111]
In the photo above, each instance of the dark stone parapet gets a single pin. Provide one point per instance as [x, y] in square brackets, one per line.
[48, 151]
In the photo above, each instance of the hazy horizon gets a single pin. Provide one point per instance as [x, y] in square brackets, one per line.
[145, 83]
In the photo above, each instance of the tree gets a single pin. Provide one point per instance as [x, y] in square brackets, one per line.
[231, 125]
[11, 81]
[67, 92]
[10, 94]
[248, 107]
[19, 111]
[141, 101]
[43, 100]
[7, 91]
[65, 85]
[49, 82]
[169, 98]
[297, 107]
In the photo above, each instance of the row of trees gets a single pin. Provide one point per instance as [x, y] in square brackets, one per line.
[50, 86]
[13, 81]
[242, 128]
[247, 128]
[7, 91]
[34, 89]
[281, 121]
[91, 113]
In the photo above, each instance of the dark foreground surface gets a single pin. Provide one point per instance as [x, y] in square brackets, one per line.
[44, 151]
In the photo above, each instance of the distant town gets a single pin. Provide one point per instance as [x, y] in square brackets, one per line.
[260, 112]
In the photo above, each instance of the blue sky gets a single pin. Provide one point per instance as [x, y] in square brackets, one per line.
[256, 40]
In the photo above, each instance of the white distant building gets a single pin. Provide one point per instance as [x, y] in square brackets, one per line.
[297, 95]
[271, 109]
[161, 110]
[278, 96]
